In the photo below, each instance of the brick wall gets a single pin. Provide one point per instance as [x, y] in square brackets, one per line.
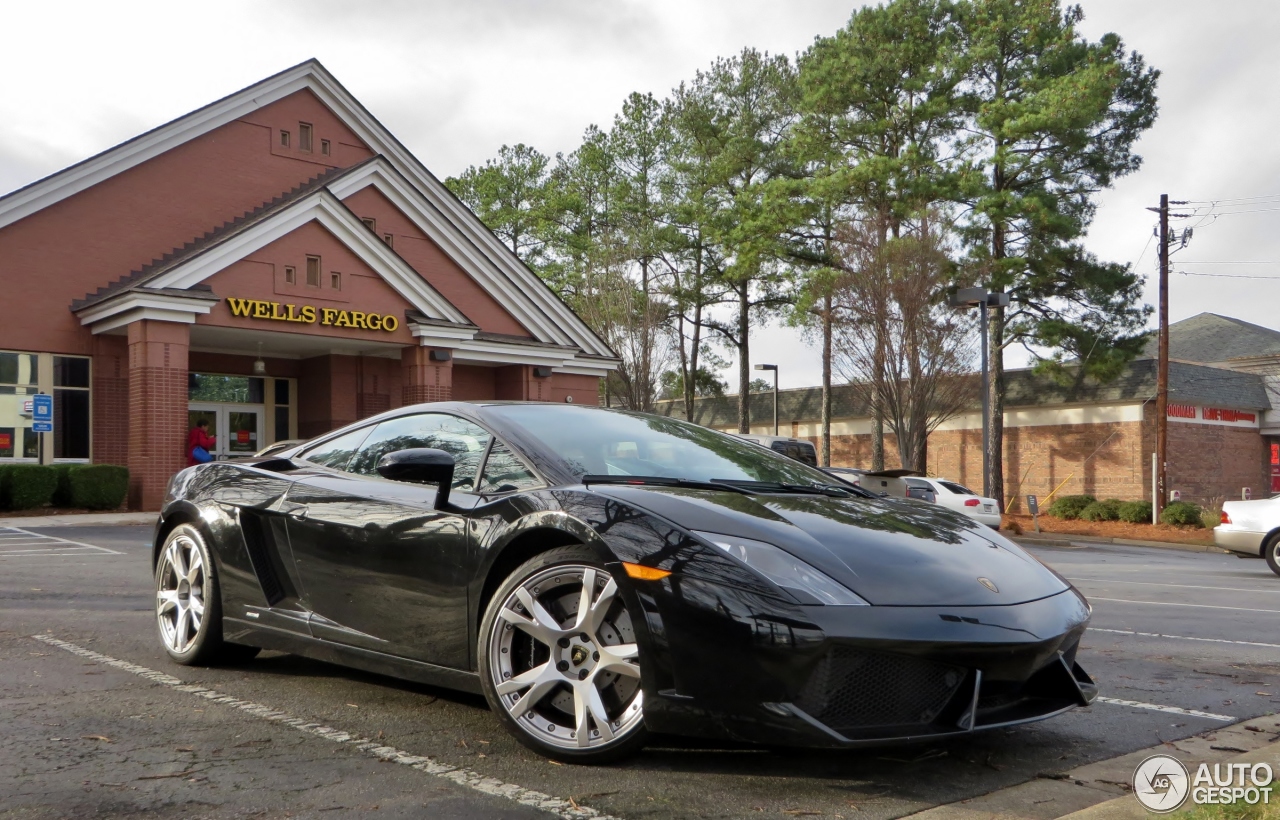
[157, 409]
[422, 380]
[109, 400]
[1210, 464]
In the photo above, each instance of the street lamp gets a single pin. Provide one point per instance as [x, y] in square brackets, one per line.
[774, 368]
[983, 299]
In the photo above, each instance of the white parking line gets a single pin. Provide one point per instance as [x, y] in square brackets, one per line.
[1137, 704]
[1193, 606]
[16, 542]
[1176, 586]
[566, 809]
[1184, 637]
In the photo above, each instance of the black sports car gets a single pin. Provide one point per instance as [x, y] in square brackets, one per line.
[601, 574]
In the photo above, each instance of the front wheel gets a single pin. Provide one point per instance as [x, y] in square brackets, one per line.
[188, 604]
[559, 661]
[1272, 553]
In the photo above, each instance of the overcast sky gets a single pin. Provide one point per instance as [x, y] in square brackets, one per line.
[454, 81]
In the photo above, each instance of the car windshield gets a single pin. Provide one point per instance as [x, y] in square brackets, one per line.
[956, 488]
[602, 442]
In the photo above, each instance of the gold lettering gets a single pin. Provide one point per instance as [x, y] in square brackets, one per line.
[327, 315]
[390, 323]
[240, 307]
[344, 319]
[357, 319]
[276, 314]
[292, 317]
[261, 310]
[308, 314]
[373, 321]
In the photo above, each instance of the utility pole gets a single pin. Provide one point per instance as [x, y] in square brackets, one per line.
[1159, 492]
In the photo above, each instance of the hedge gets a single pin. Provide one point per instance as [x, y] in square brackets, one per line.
[62, 495]
[1069, 507]
[1136, 512]
[1182, 513]
[26, 486]
[1108, 510]
[97, 486]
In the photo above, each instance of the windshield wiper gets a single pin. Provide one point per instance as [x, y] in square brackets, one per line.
[663, 481]
[833, 490]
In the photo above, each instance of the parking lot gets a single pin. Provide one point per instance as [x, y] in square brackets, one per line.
[97, 721]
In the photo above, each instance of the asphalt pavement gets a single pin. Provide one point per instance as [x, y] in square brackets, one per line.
[95, 720]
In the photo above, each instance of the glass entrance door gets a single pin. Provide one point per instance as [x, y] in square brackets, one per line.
[238, 428]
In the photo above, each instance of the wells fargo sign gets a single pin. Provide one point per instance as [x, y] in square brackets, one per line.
[309, 314]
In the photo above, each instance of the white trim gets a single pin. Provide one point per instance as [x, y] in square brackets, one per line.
[556, 324]
[598, 371]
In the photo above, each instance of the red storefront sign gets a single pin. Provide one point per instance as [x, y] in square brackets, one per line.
[242, 436]
[1275, 468]
[1191, 412]
[6, 441]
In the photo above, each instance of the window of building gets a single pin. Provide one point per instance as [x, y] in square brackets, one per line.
[290, 274]
[389, 239]
[313, 271]
[335, 280]
[304, 136]
[324, 147]
[215, 387]
[282, 409]
[370, 222]
[70, 407]
[284, 139]
[18, 382]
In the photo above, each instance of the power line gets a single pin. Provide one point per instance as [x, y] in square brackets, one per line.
[1275, 278]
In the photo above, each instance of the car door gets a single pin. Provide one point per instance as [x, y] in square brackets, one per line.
[382, 568]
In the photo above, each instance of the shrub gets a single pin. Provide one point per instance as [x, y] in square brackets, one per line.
[1069, 507]
[62, 493]
[1108, 510]
[26, 486]
[1182, 514]
[1136, 512]
[98, 486]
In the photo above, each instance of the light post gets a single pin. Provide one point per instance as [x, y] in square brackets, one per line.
[983, 299]
[774, 368]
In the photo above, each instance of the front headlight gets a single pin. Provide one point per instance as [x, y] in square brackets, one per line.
[807, 584]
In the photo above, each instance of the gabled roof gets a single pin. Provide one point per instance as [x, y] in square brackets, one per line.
[474, 247]
[1208, 337]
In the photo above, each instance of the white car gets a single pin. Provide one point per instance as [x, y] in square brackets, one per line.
[962, 499]
[1251, 528]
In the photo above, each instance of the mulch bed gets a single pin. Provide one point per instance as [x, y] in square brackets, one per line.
[1112, 529]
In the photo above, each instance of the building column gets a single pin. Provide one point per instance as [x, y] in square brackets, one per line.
[157, 408]
[424, 379]
[109, 400]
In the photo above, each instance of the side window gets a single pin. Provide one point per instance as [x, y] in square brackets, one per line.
[464, 440]
[504, 473]
[336, 452]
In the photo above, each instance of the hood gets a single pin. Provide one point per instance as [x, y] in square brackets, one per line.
[890, 552]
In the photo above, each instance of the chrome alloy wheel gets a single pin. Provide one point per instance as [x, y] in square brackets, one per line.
[564, 661]
[180, 594]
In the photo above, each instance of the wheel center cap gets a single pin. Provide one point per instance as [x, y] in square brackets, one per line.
[579, 655]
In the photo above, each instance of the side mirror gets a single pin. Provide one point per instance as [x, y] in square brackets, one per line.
[420, 465]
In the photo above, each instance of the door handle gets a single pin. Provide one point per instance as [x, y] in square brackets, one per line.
[300, 513]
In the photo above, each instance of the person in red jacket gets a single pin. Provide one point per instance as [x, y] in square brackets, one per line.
[199, 437]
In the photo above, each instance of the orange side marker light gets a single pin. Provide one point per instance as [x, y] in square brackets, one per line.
[644, 573]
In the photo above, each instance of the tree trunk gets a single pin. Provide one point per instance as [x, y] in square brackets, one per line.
[826, 380]
[744, 359]
[995, 361]
[877, 442]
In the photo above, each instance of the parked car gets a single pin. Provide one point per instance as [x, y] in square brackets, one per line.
[1251, 528]
[797, 448]
[964, 500]
[893, 483]
[601, 574]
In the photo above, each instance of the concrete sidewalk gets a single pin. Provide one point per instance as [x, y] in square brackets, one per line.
[1100, 791]
[81, 520]
[1060, 539]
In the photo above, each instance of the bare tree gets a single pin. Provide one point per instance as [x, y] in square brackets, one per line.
[903, 351]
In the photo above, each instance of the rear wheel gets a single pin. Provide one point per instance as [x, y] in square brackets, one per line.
[559, 661]
[189, 605]
[1272, 553]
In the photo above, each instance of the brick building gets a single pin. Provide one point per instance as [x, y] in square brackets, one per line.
[275, 262]
[1224, 435]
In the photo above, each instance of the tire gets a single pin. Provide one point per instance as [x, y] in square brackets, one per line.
[549, 675]
[1271, 551]
[189, 604]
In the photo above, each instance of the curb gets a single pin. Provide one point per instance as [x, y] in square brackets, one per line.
[1065, 540]
[81, 520]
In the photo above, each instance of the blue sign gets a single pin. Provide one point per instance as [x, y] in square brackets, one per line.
[42, 426]
[42, 409]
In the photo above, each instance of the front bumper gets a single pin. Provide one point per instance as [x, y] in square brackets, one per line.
[1243, 541]
[850, 676]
